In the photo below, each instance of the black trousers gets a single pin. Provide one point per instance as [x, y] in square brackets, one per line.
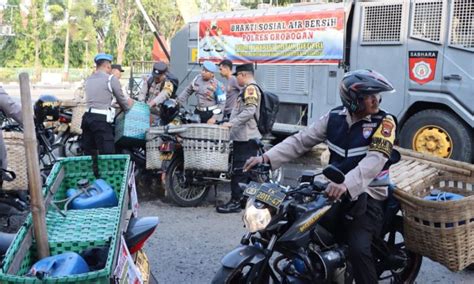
[241, 152]
[357, 234]
[204, 115]
[97, 134]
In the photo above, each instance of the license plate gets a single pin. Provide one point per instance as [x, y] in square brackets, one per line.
[166, 156]
[266, 193]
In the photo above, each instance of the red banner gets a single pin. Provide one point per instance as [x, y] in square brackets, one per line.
[312, 37]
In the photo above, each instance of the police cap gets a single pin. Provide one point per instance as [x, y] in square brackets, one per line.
[159, 68]
[209, 66]
[118, 67]
[244, 67]
[103, 56]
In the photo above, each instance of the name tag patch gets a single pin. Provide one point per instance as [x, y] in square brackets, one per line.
[366, 131]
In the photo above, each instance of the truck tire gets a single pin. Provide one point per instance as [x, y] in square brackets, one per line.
[439, 133]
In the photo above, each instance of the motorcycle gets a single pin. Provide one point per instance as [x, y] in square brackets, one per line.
[286, 243]
[188, 188]
[69, 142]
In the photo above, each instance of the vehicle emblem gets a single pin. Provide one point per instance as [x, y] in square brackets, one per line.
[422, 66]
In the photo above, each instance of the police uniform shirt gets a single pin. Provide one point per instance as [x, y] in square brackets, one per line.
[13, 110]
[244, 115]
[204, 91]
[358, 179]
[157, 91]
[232, 90]
[98, 94]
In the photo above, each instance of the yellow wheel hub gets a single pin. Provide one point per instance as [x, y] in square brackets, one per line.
[433, 140]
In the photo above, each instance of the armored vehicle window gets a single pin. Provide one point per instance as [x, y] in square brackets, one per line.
[462, 24]
[382, 23]
[426, 20]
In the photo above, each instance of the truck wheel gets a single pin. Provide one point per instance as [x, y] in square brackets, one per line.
[439, 133]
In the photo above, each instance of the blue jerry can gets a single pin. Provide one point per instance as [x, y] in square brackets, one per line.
[99, 195]
[64, 264]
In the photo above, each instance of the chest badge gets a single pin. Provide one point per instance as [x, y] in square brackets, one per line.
[366, 131]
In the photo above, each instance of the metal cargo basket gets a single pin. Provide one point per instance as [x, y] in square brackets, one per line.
[440, 230]
[206, 147]
[153, 143]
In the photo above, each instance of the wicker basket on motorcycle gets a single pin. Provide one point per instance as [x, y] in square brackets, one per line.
[154, 141]
[440, 230]
[76, 121]
[206, 147]
[80, 229]
[131, 126]
[16, 161]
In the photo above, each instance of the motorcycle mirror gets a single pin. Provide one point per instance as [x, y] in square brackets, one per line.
[334, 174]
[217, 111]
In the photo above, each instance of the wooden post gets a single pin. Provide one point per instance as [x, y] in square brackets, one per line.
[32, 162]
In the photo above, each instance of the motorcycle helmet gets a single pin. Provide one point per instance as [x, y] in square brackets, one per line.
[168, 111]
[46, 108]
[357, 84]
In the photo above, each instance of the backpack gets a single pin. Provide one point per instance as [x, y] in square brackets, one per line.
[269, 105]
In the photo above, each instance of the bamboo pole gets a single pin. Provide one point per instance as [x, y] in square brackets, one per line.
[34, 178]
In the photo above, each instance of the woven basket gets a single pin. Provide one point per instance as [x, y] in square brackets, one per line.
[153, 143]
[16, 161]
[206, 148]
[442, 231]
[76, 121]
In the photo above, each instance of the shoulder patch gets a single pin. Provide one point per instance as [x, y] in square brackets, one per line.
[251, 95]
[384, 136]
[168, 87]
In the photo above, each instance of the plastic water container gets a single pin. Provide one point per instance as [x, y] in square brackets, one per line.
[99, 195]
[64, 264]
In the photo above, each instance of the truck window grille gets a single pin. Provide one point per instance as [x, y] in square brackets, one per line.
[382, 23]
[284, 79]
[300, 79]
[270, 78]
[426, 22]
[462, 24]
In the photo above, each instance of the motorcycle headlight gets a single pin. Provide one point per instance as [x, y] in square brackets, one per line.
[256, 219]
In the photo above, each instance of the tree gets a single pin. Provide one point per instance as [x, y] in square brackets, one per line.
[125, 12]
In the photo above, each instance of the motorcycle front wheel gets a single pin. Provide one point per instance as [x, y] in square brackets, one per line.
[237, 275]
[180, 187]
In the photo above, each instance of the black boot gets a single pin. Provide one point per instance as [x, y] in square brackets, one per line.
[233, 206]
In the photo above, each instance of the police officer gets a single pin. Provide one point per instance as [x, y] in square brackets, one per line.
[100, 88]
[13, 110]
[161, 86]
[117, 71]
[360, 137]
[232, 88]
[243, 128]
[210, 94]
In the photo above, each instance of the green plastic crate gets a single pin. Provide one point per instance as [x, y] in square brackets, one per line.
[131, 127]
[80, 229]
